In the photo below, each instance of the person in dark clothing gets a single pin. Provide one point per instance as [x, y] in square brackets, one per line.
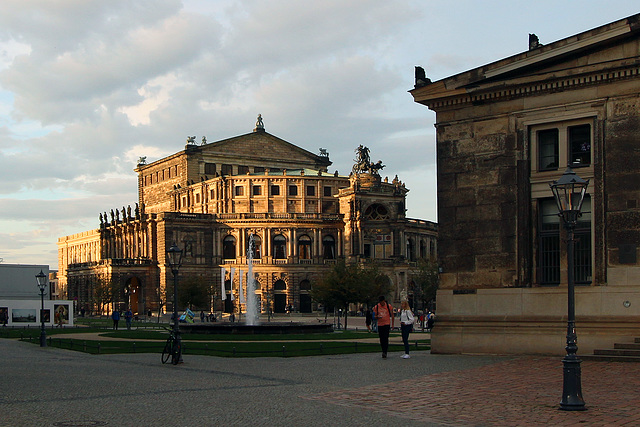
[367, 319]
[115, 316]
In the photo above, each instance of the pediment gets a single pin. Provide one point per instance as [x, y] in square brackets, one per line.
[263, 146]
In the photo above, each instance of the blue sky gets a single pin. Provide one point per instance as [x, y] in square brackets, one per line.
[87, 87]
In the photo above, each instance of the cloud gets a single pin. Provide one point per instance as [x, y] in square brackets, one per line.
[89, 86]
[104, 66]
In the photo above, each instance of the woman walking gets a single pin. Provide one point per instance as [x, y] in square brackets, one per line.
[384, 315]
[406, 326]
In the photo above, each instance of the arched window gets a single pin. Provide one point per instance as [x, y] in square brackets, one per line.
[279, 247]
[305, 285]
[304, 247]
[411, 250]
[280, 285]
[229, 247]
[257, 246]
[328, 247]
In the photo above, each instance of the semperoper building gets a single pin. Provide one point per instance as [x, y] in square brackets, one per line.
[211, 197]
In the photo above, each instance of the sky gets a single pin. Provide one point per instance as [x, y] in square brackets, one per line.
[89, 86]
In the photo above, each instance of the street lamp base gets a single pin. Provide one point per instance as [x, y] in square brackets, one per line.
[572, 385]
[43, 340]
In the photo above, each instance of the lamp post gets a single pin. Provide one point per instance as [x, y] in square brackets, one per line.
[569, 192]
[174, 257]
[41, 280]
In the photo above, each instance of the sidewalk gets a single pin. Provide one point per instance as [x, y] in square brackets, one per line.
[49, 386]
[519, 392]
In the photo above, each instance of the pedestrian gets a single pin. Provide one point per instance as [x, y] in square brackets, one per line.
[201, 316]
[367, 319]
[431, 318]
[406, 326]
[4, 316]
[128, 316]
[115, 316]
[385, 318]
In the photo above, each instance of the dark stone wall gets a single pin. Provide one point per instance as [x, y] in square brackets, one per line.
[622, 181]
[478, 203]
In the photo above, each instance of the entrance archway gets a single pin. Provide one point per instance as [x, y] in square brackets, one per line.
[280, 296]
[133, 290]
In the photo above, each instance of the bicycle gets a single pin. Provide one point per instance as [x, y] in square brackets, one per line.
[173, 349]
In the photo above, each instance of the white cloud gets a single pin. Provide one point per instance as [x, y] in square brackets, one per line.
[89, 86]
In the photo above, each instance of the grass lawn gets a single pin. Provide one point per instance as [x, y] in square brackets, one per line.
[223, 345]
[225, 349]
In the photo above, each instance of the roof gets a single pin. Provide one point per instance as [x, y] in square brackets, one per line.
[532, 61]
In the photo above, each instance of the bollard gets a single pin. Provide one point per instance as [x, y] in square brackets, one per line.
[284, 349]
[356, 346]
[99, 348]
[234, 351]
[321, 349]
[134, 347]
[84, 346]
[416, 345]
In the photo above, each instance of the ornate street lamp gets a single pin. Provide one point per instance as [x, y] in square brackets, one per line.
[174, 257]
[569, 192]
[41, 280]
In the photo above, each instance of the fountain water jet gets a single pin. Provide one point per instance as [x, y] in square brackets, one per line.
[252, 317]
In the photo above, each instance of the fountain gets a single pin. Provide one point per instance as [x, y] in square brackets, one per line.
[252, 324]
[252, 317]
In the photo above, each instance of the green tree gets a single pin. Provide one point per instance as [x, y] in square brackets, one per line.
[106, 292]
[427, 279]
[194, 292]
[347, 284]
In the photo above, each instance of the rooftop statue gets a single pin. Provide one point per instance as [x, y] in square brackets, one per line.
[362, 159]
[375, 168]
[191, 140]
[421, 78]
[259, 123]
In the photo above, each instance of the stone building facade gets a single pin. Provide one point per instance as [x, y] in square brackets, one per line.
[211, 197]
[505, 131]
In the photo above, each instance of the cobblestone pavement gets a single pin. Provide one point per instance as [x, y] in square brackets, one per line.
[519, 392]
[53, 387]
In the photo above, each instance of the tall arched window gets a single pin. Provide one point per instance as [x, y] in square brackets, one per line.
[229, 247]
[328, 247]
[411, 250]
[279, 247]
[304, 247]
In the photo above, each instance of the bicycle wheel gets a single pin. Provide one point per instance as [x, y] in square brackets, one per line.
[176, 354]
[168, 350]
